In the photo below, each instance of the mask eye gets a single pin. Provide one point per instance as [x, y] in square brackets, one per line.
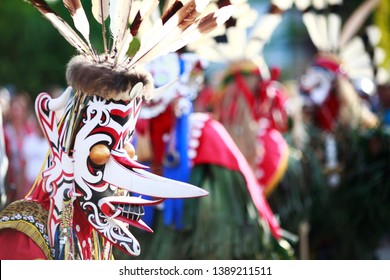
[130, 150]
[99, 154]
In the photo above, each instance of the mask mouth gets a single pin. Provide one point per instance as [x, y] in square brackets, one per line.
[128, 209]
[132, 212]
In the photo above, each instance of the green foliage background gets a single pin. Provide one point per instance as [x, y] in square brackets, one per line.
[33, 55]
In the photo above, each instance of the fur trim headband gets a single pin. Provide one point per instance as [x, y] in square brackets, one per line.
[102, 80]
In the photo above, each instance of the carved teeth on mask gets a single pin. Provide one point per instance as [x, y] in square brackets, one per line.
[132, 212]
[127, 209]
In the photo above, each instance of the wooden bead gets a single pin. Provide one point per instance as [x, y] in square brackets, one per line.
[130, 150]
[99, 154]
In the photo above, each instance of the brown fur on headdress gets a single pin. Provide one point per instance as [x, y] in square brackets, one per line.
[102, 80]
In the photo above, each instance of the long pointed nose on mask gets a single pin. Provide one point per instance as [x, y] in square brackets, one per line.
[139, 181]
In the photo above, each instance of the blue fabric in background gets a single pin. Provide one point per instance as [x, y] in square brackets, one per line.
[173, 208]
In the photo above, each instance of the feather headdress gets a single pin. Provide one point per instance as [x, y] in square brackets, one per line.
[357, 51]
[183, 21]
[242, 38]
[343, 56]
[249, 101]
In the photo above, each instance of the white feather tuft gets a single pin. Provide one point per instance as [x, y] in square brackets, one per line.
[119, 19]
[310, 21]
[323, 40]
[302, 5]
[353, 49]
[100, 10]
[69, 34]
[283, 4]
[334, 28]
[262, 33]
[319, 4]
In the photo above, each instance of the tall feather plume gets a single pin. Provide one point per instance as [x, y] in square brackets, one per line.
[267, 24]
[356, 58]
[167, 4]
[182, 23]
[334, 24]
[371, 39]
[100, 11]
[356, 20]
[309, 18]
[322, 24]
[177, 18]
[119, 16]
[378, 54]
[234, 46]
[202, 26]
[142, 15]
[143, 12]
[65, 30]
[360, 52]
[322, 21]
[80, 20]
[302, 5]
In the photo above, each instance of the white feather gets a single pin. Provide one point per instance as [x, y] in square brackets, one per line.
[334, 28]
[352, 50]
[259, 61]
[262, 33]
[374, 34]
[246, 17]
[310, 21]
[211, 8]
[69, 34]
[192, 33]
[356, 20]
[203, 42]
[319, 4]
[360, 62]
[211, 54]
[283, 4]
[302, 4]
[148, 7]
[358, 73]
[382, 76]
[225, 51]
[124, 46]
[161, 36]
[81, 23]
[323, 39]
[237, 39]
[119, 18]
[100, 8]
